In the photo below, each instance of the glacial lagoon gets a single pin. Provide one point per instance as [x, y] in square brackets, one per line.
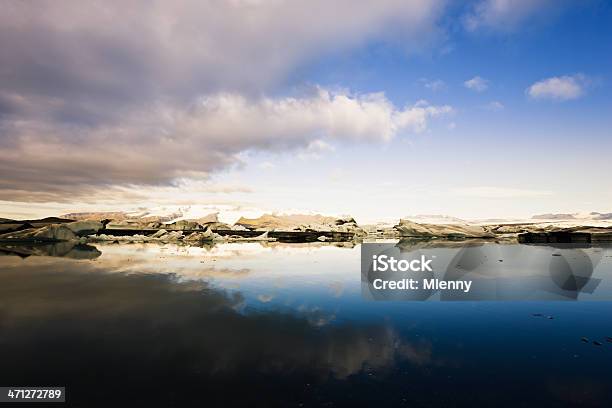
[288, 325]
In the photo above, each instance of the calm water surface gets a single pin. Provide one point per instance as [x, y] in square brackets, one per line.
[286, 325]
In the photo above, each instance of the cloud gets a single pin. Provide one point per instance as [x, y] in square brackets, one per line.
[145, 93]
[499, 192]
[315, 150]
[180, 191]
[265, 298]
[295, 345]
[415, 118]
[561, 88]
[163, 144]
[506, 15]
[434, 85]
[83, 61]
[267, 165]
[477, 84]
[495, 106]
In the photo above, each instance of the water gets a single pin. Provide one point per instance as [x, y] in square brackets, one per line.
[285, 325]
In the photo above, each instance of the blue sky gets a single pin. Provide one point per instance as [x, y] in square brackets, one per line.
[558, 148]
[478, 109]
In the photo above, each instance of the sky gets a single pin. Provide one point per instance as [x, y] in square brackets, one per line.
[375, 109]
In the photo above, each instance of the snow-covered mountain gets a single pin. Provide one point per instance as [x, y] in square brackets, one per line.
[592, 216]
[155, 214]
[434, 219]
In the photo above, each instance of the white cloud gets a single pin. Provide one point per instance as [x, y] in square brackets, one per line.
[495, 106]
[559, 88]
[267, 165]
[288, 121]
[164, 143]
[104, 93]
[434, 85]
[499, 192]
[415, 118]
[315, 150]
[477, 84]
[505, 15]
